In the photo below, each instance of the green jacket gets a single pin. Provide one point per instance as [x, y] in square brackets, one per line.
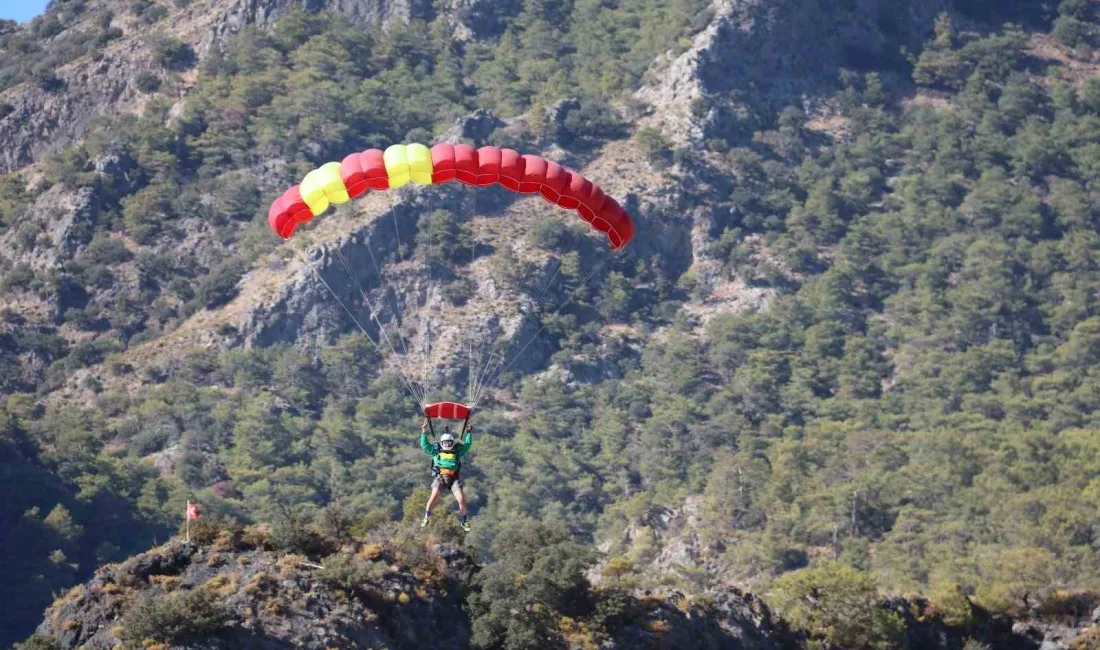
[446, 459]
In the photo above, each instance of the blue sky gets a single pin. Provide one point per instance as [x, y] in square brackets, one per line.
[21, 10]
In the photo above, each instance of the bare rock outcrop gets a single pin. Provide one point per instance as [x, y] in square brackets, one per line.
[263, 599]
[220, 595]
[758, 56]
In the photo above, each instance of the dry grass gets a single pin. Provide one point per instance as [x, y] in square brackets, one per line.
[258, 584]
[930, 100]
[169, 583]
[370, 551]
[836, 127]
[224, 585]
[1064, 65]
[1087, 640]
[272, 607]
[577, 633]
[659, 627]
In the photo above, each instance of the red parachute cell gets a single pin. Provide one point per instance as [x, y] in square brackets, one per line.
[353, 175]
[443, 162]
[591, 203]
[466, 164]
[557, 179]
[609, 218]
[578, 188]
[287, 212]
[375, 169]
[511, 169]
[534, 174]
[488, 166]
[622, 228]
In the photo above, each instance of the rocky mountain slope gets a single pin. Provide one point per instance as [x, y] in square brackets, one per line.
[736, 398]
[229, 589]
[231, 594]
[700, 98]
[133, 44]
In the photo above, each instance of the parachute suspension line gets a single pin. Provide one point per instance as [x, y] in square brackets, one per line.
[472, 384]
[396, 228]
[350, 270]
[404, 379]
[546, 287]
[400, 247]
[495, 375]
[482, 367]
[470, 372]
[429, 346]
[409, 386]
[378, 272]
[480, 385]
[393, 300]
[431, 233]
[542, 292]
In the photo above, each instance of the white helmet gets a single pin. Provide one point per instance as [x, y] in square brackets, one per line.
[447, 441]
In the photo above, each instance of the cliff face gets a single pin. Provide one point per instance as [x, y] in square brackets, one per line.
[757, 57]
[231, 591]
[365, 596]
[260, 599]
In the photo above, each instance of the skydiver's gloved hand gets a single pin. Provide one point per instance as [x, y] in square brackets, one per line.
[424, 426]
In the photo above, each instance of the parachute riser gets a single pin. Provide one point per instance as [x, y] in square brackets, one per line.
[465, 423]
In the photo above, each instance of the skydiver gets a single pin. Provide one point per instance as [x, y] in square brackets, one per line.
[446, 465]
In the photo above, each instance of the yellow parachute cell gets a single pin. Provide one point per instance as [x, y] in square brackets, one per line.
[408, 162]
[323, 186]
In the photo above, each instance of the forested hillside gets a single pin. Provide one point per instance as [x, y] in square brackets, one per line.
[852, 354]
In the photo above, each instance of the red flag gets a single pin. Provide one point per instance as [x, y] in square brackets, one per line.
[192, 510]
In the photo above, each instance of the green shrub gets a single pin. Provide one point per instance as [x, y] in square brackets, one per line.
[147, 82]
[89, 353]
[831, 602]
[47, 79]
[654, 146]
[153, 14]
[220, 285]
[39, 642]
[1072, 32]
[108, 250]
[552, 234]
[18, 278]
[540, 571]
[952, 604]
[168, 618]
[351, 572]
[459, 291]
[171, 53]
[442, 237]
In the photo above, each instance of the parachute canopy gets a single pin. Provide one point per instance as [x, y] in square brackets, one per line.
[447, 411]
[400, 164]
